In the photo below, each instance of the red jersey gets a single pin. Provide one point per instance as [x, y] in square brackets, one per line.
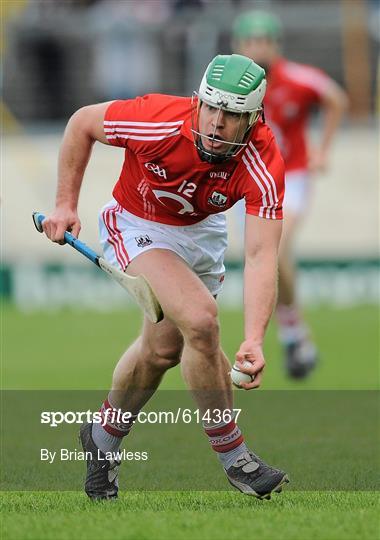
[163, 178]
[292, 90]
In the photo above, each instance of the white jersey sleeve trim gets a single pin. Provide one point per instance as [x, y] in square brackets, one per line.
[142, 137]
[152, 125]
[138, 131]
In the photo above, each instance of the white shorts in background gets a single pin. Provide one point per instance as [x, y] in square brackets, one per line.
[124, 236]
[297, 191]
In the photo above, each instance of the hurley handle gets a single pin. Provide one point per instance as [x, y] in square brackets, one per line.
[38, 218]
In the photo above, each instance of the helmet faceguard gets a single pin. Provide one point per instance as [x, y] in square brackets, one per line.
[233, 84]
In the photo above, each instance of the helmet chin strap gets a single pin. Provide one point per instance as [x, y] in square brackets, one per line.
[210, 157]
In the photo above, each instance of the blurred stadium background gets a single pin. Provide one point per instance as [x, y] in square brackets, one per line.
[60, 55]
[64, 324]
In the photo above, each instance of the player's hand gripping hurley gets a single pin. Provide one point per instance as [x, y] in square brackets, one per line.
[138, 287]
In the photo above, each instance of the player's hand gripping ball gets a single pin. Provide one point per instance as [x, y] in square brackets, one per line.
[238, 376]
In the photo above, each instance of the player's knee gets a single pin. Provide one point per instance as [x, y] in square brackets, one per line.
[168, 355]
[202, 332]
[161, 356]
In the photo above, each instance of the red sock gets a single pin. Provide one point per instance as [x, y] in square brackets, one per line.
[115, 421]
[227, 441]
[224, 438]
[291, 326]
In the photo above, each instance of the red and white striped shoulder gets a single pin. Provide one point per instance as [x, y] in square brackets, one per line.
[308, 76]
[141, 131]
[149, 118]
[262, 177]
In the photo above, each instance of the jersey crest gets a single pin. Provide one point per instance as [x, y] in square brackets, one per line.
[217, 199]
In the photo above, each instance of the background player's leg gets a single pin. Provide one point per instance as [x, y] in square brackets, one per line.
[287, 272]
[300, 353]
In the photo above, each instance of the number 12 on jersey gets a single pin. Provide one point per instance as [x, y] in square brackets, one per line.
[187, 188]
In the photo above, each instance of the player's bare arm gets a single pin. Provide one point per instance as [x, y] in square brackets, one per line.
[84, 128]
[334, 103]
[262, 237]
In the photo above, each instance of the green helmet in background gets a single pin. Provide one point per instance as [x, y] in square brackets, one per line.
[257, 24]
[231, 83]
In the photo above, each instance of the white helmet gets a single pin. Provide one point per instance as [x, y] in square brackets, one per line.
[231, 83]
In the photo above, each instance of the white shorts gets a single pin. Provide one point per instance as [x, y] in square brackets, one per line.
[124, 236]
[297, 190]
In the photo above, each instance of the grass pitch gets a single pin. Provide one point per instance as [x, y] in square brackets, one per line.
[77, 350]
[194, 515]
